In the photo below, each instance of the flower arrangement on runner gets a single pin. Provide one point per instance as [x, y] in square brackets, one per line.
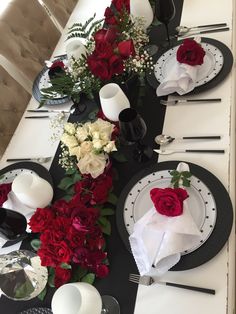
[114, 50]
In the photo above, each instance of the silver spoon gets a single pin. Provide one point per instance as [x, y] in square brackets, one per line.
[184, 29]
[163, 139]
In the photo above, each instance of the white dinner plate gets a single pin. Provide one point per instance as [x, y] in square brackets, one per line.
[201, 203]
[213, 63]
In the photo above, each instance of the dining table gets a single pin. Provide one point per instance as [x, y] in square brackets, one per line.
[33, 137]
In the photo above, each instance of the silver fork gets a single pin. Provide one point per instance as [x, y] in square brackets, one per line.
[148, 280]
[39, 159]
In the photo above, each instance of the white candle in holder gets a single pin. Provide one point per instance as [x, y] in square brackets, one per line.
[113, 101]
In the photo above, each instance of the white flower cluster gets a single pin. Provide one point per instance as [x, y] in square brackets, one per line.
[90, 143]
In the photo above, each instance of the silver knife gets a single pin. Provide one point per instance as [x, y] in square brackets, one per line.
[45, 110]
[183, 101]
[216, 30]
[169, 151]
[37, 117]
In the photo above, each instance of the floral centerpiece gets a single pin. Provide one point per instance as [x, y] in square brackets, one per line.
[114, 51]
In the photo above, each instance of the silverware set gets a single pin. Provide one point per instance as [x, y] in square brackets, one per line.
[184, 31]
[173, 151]
[147, 281]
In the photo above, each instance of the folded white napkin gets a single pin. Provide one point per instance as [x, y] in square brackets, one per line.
[181, 79]
[159, 240]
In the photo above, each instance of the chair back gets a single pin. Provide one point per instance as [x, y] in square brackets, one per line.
[28, 36]
[13, 101]
[60, 9]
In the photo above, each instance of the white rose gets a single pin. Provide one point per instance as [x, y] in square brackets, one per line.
[95, 135]
[85, 148]
[104, 126]
[110, 147]
[92, 164]
[70, 128]
[75, 151]
[69, 140]
[81, 134]
[97, 144]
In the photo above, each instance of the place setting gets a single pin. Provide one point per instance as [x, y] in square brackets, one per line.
[208, 206]
[190, 66]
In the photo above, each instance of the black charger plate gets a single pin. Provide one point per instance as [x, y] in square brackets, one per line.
[227, 66]
[224, 220]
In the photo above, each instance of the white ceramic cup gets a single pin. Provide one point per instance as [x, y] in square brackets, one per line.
[113, 101]
[76, 298]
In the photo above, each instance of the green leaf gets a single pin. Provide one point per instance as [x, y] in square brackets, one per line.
[89, 278]
[76, 177]
[67, 198]
[186, 174]
[105, 225]
[186, 182]
[71, 171]
[174, 173]
[65, 266]
[118, 156]
[51, 277]
[66, 183]
[35, 243]
[112, 198]
[78, 273]
[42, 294]
[107, 211]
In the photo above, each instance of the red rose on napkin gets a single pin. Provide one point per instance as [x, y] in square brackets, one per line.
[5, 188]
[190, 52]
[168, 201]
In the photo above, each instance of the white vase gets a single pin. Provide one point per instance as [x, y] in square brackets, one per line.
[142, 8]
[113, 101]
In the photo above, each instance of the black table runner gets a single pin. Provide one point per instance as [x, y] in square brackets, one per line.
[121, 261]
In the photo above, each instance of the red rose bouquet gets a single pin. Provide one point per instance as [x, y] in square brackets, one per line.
[71, 243]
[114, 51]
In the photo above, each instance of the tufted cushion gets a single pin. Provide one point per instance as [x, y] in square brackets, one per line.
[13, 101]
[61, 9]
[28, 36]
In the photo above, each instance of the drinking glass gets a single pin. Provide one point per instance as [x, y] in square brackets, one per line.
[133, 129]
[165, 11]
[12, 224]
[82, 298]
[113, 101]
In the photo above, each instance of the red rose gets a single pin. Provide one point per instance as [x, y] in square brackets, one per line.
[103, 50]
[168, 202]
[99, 68]
[116, 65]
[75, 238]
[5, 188]
[190, 52]
[106, 35]
[62, 276]
[102, 271]
[121, 5]
[57, 63]
[126, 48]
[62, 208]
[51, 236]
[53, 254]
[41, 219]
[110, 18]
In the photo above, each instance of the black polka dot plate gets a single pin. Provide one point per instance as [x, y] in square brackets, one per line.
[37, 310]
[217, 65]
[213, 63]
[209, 203]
